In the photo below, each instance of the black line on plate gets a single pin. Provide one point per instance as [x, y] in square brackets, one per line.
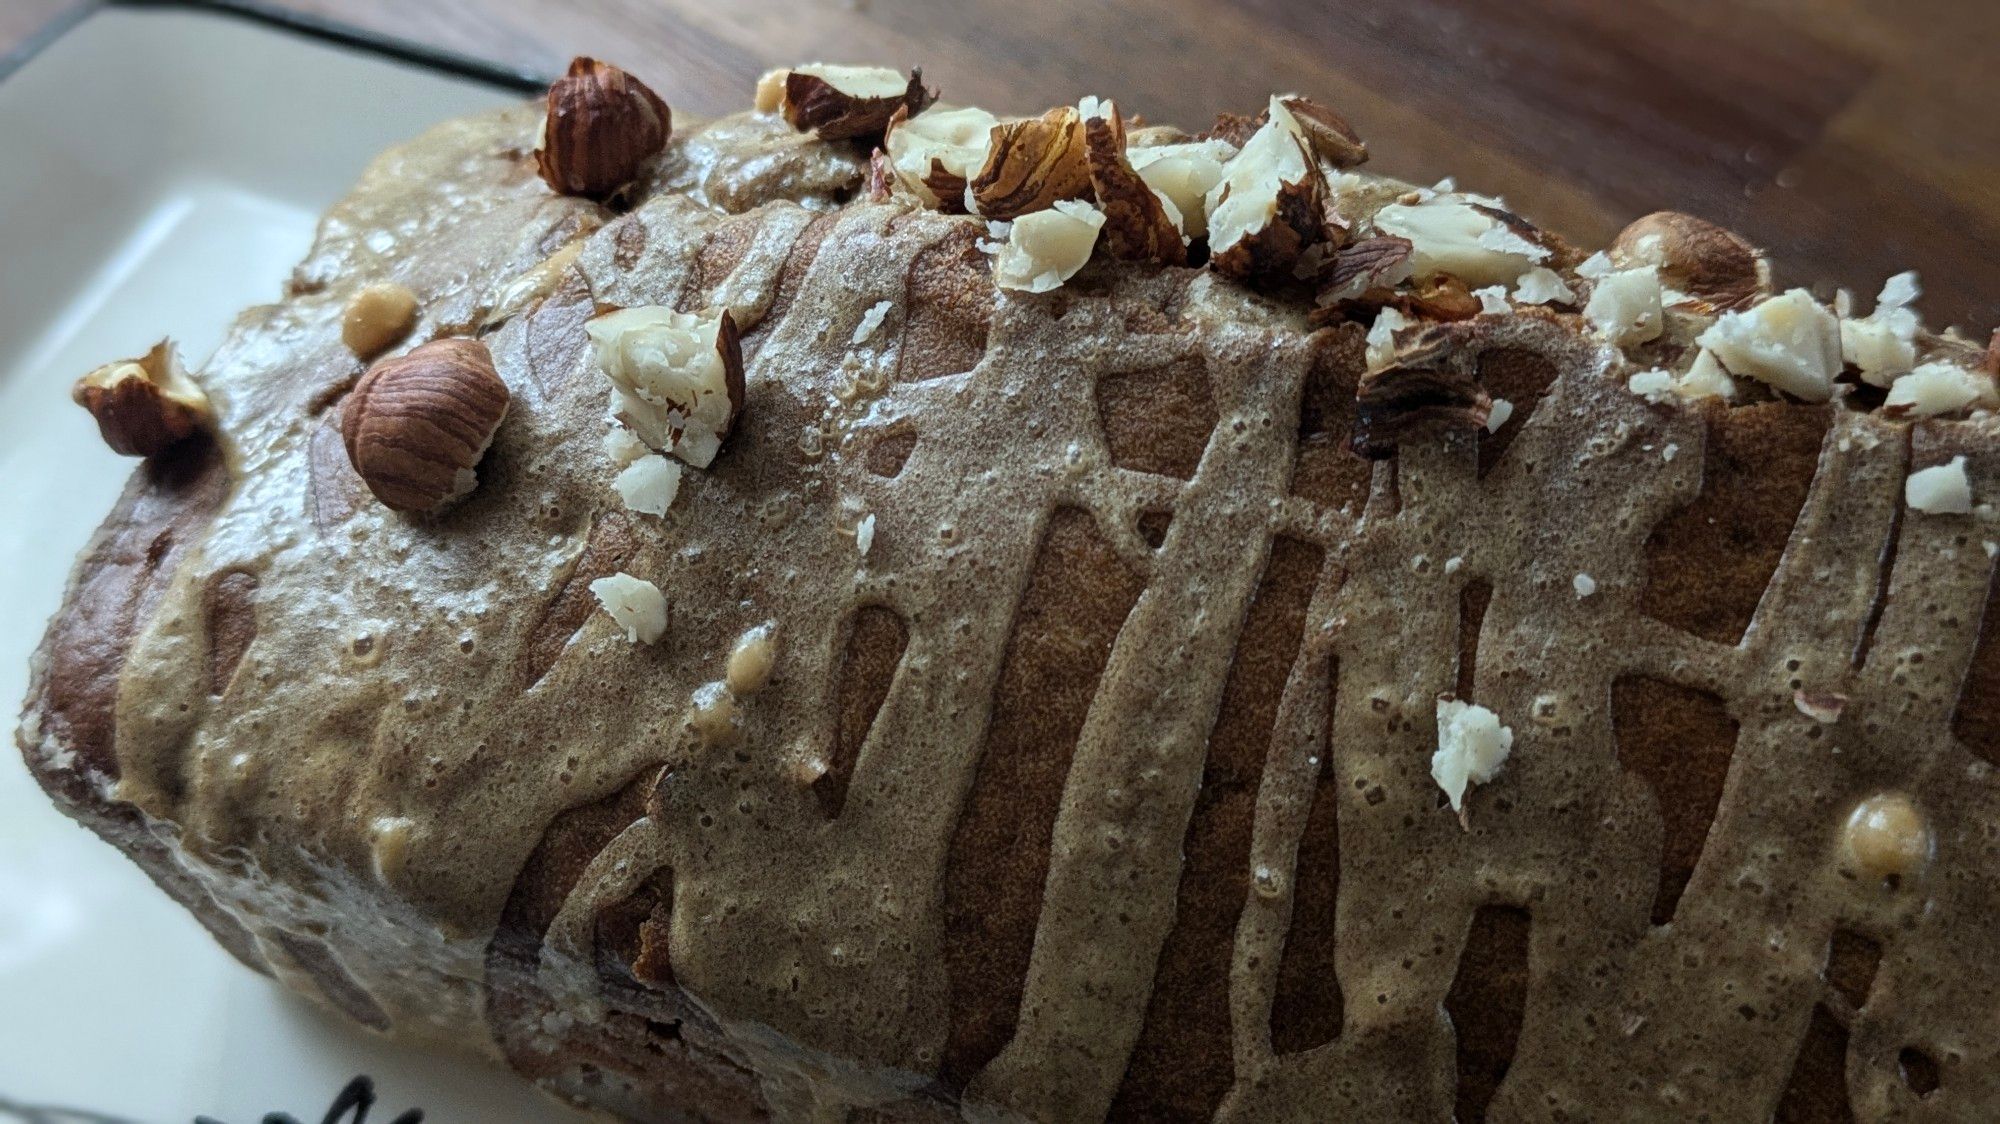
[294, 23]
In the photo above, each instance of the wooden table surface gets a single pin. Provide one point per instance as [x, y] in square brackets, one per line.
[1853, 138]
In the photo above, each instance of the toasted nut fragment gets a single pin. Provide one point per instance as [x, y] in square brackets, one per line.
[1791, 342]
[935, 152]
[1267, 209]
[1430, 383]
[1047, 248]
[1236, 129]
[635, 603]
[1443, 297]
[144, 405]
[1824, 707]
[881, 177]
[603, 126]
[1472, 745]
[377, 319]
[1183, 173]
[1717, 267]
[771, 90]
[1461, 235]
[677, 376]
[1139, 224]
[848, 102]
[1329, 135]
[1372, 263]
[417, 424]
[1991, 364]
[1033, 164]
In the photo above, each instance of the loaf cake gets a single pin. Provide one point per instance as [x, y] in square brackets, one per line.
[869, 610]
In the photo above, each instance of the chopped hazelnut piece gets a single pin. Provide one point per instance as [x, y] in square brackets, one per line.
[771, 90]
[1031, 165]
[649, 484]
[935, 153]
[1371, 263]
[850, 102]
[1790, 341]
[1183, 174]
[1472, 745]
[1542, 285]
[146, 405]
[1465, 236]
[622, 447]
[1941, 489]
[1140, 224]
[1939, 388]
[1625, 306]
[1498, 415]
[1267, 208]
[1328, 134]
[1883, 343]
[636, 604]
[1428, 382]
[678, 376]
[1047, 248]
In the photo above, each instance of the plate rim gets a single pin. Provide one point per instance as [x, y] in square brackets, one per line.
[272, 17]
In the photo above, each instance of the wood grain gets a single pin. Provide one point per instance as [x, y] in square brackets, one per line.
[1853, 138]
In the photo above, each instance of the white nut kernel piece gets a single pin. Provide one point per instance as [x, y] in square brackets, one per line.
[622, 447]
[1472, 745]
[1462, 235]
[1705, 379]
[1381, 342]
[1493, 299]
[1542, 285]
[1047, 248]
[1183, 175]
[1498, 415]
[1941, 489]
[648, 485]
[1584, 584]
[864, 534]
[635, 603]
[871, 321]
[1887, 836]
[1790, 342]
[1938, 388]
[1653, 385]
[771, 90]
[935, 152]
[1625, 306]
[1883, 343]
[1266, 206]
[678, 376]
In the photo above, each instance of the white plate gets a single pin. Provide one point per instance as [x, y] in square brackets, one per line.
[163, 171]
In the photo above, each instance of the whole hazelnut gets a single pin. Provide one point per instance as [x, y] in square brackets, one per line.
[1715, 266]
[145, 405]
[417, 424]
[377, 319]
[603, 126]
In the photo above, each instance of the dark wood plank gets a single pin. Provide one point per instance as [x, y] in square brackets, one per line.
[1852, 138]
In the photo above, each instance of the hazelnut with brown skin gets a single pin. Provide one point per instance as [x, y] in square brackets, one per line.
[1033, 164]
[1715, 266]
[417, 424]
[144, 406]
[603, 127]
[850, 102]
[1332, 139]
